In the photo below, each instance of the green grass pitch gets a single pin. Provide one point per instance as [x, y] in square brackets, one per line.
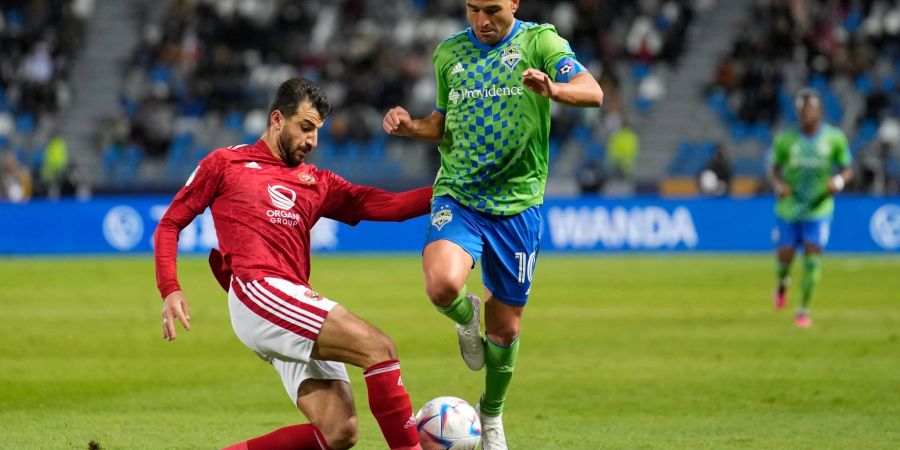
[618, 352]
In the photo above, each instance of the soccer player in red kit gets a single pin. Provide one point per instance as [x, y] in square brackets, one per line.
[264, 201]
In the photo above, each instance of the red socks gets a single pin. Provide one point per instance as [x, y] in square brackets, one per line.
[390, 405]
[295, 437]
[388, 401]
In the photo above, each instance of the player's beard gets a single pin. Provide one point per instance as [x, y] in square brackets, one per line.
[285, 148]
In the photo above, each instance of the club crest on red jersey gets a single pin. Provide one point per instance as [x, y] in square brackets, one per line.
[306, 178]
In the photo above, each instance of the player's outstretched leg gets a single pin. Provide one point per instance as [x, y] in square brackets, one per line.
[785, 256]
[446, 266]
[347, 338]
[296, 437]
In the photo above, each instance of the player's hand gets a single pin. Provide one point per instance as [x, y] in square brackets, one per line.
[539, 82]
[397, 122]
[782, 190]
[175, 307]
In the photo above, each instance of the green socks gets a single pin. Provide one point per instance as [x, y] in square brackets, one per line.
[784, 269]
[460, 311]
[499, 362]
[812, 273]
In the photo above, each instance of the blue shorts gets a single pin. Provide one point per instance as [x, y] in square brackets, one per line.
[509, 244]
[794, 234]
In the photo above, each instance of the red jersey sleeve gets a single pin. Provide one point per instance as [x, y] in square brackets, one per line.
[198, 193]
[350, 203]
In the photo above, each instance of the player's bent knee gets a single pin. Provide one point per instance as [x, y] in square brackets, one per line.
[341, 435]
[384, 349]
[442, 292]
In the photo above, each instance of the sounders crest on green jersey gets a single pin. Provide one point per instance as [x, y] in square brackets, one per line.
[512, 54]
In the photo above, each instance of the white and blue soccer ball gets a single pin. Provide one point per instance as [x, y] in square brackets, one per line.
[448, 423]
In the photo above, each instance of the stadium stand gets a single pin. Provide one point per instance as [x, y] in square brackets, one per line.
[39, 40]
[195, 80]
[846, 50]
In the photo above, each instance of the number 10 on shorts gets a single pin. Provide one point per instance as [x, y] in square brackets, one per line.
[526, 266]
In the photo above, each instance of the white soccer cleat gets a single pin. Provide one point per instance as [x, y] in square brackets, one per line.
[471, 344]
[492, 437]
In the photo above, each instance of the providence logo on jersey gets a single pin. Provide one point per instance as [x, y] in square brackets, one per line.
[278, 194]
[490, 91]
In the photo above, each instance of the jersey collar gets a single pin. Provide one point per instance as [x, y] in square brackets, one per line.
[487, 48]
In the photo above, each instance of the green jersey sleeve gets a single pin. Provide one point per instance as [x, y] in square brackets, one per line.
[440, 74]
[841, 150]
[557, 58]
[781, 150]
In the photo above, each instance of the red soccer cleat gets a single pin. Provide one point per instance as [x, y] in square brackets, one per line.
[803, 321]
[780, 296]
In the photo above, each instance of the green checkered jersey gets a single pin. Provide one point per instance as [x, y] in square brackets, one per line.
[807, 165]
[495, 148]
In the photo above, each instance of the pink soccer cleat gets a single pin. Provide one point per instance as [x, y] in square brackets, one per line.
[803, 321]
[780, 296]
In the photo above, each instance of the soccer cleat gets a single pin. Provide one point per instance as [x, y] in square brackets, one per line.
[780, 296]
[492, 436]
[471, 344]
[803, 321]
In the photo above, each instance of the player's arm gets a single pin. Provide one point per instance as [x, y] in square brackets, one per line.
[560, 77]
[375, 204]
[350, 203]
[776, 174]
[836, 183]
[843, 159]
[781, 188]
[582, 90]
[397, 122]
[190, 201]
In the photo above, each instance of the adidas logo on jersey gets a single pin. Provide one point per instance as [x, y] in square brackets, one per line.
[252, 165]
[457, 69]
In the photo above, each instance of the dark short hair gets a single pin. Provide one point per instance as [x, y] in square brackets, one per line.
[804, 95]
[295, 91]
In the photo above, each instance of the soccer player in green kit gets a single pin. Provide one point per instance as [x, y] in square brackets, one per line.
[495, 81]
[805, 183]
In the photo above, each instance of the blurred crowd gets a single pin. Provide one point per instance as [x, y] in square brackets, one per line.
[849, 50]
[39, 40]
[205, 70]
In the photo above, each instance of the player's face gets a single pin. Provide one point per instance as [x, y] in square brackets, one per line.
[810, 113]
[299, 134]
[491, 20]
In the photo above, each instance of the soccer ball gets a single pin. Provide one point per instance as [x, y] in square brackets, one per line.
[448, 423]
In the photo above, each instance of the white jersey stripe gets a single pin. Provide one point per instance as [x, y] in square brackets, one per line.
[389, 368]
[296, 309]
[265, 306]
[260, 298]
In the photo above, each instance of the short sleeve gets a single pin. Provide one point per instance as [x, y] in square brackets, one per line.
[557, 58]
[780, 151]
[443, 90]
[841, 150]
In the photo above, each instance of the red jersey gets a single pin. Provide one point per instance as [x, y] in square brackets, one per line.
[264, 210]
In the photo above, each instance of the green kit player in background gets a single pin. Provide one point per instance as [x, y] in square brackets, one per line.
[495, 81]
[803, 174]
